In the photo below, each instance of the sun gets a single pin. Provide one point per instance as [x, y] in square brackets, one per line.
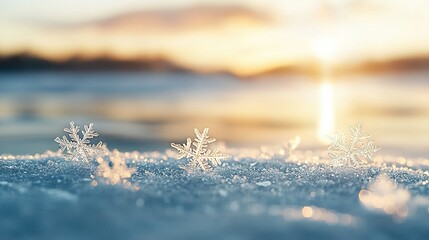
[325, 49]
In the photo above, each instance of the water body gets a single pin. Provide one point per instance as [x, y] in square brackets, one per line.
[143, 111]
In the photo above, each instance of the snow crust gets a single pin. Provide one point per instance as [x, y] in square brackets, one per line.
[263, 193]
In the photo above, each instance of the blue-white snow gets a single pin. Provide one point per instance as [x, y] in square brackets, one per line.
[263, 193]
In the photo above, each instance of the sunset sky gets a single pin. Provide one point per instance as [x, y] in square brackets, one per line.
[245, 37]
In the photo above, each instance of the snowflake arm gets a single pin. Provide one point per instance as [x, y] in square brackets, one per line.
[214, 156]
[64, 143]
[199, 162]
[184, 150]
[368, 150]
[73, 132]
[88, 133]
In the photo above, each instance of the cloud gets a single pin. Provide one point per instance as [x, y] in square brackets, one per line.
[192, 18]
[242, 38]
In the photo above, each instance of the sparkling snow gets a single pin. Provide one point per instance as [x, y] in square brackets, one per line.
[265, 193]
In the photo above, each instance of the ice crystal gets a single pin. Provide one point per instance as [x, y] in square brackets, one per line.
[385, 195]
[114, 170]
[77, 148]
[200, 157]
[355, 152]
[291, 146]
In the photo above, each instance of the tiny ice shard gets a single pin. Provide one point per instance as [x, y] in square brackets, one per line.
[293, 144]
[290, 148]
[199, 156]
[355, 152]
[384, 195]
[115, 170]
[77, 148]
[264, 183]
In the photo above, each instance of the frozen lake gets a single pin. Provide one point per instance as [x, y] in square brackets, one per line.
[141, 111]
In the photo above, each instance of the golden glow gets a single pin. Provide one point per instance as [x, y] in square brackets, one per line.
[252, 38]
[118, 173]
[307, 212]
[326, 120]
[317, 214]
[325, 49]
[385, 195]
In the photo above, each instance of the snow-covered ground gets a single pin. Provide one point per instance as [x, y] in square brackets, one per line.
[263, 193]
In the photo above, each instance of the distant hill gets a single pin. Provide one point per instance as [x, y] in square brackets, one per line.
[394, 65]
[368, 67]
[25, 62]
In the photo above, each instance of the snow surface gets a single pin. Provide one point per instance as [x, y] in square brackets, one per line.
[263, 193]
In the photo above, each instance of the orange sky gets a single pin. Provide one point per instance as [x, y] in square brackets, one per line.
[244, 38]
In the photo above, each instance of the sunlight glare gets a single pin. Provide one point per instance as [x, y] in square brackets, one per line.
[324, 50]
[326, 124]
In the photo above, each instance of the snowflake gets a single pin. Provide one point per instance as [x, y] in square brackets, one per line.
[115, 170]
[385, 195]
[359, 150]
[199, 157]
[80, 148]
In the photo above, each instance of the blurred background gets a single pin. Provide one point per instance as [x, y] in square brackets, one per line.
[256, 72]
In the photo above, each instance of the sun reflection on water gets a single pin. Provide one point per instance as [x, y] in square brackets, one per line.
[326, 53]
[326, 120]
